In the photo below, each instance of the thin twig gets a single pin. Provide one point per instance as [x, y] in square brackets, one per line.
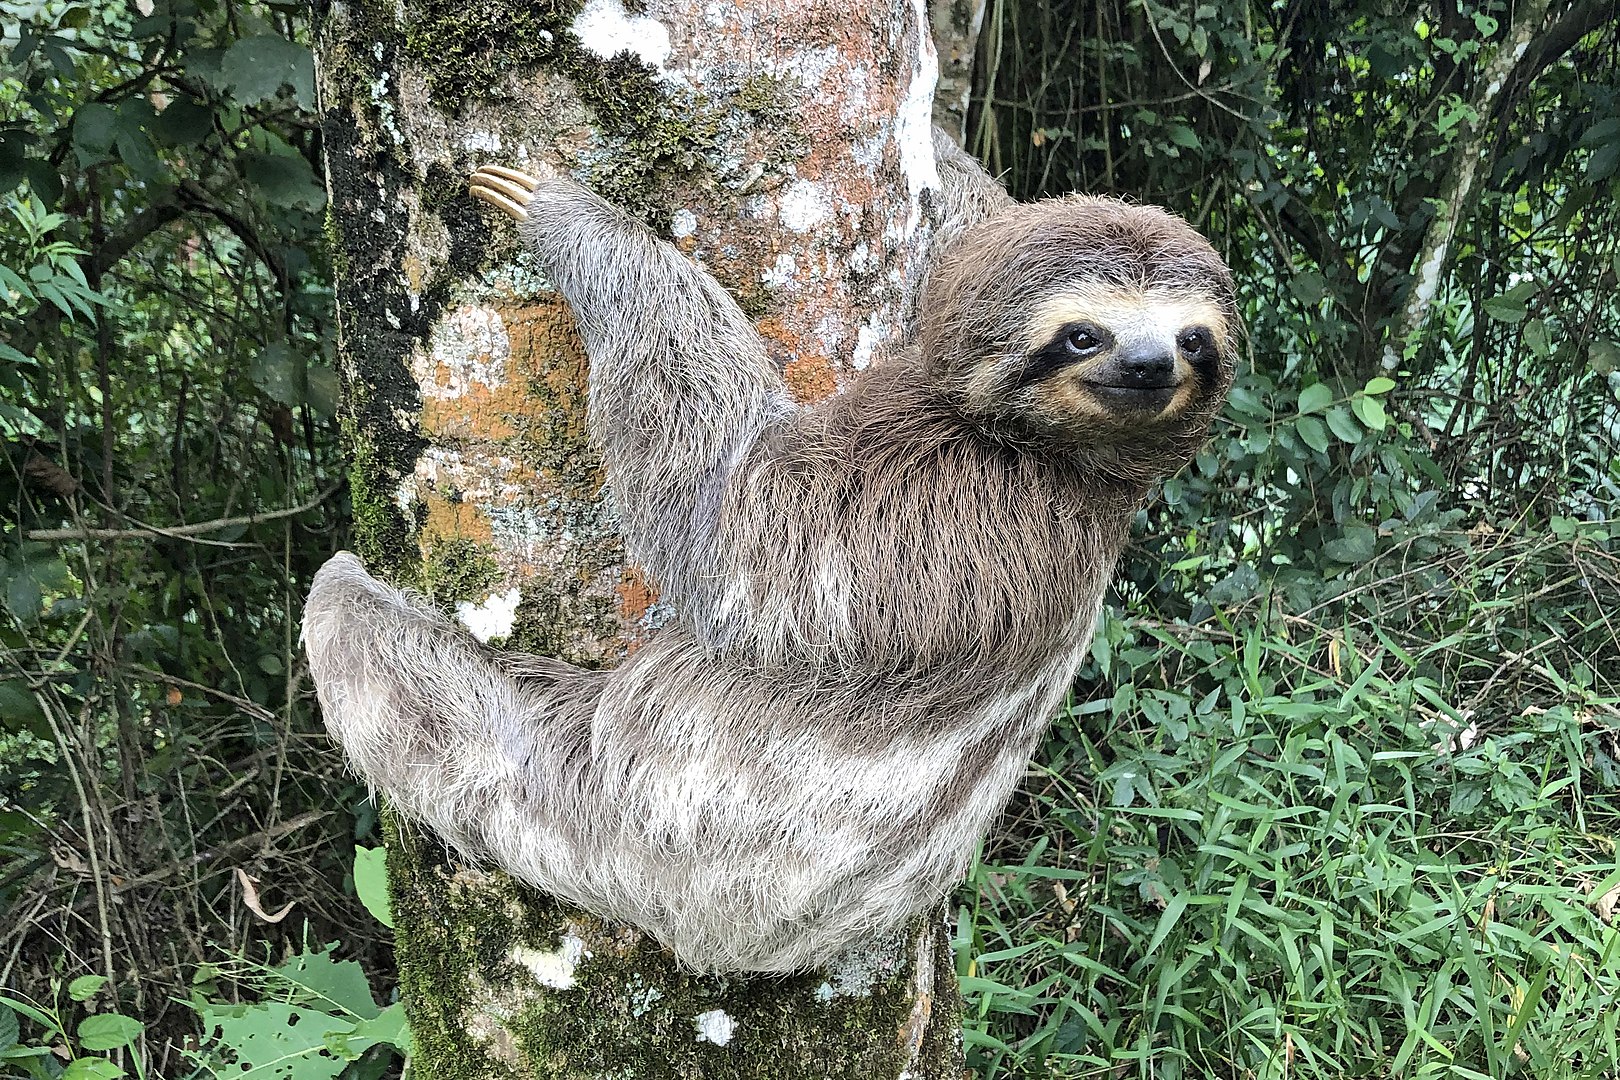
[181, 532]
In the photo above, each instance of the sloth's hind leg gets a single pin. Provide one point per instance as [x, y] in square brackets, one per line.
[456, 736]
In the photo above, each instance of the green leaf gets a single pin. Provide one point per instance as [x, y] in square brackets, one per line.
[29, 578]
[91, 1068]
[1603, 357]
[1313, 433]
[323, 389]
[1505, 308]
[85, 986]
[1315, 398]
[19, 709]
[59, 57]
[1342, 424]
[257, 68]
[1370, 411]
[1379, 385]
[109, 1031]
[276, 371]
[334, 986]
[1537, 338]
[8, 1029]
[1182, 135]
[135, 150]
[1603, 163]
[1308, 287]
[371, 882]
[285, 180]
[95, 126]
[183, 123]
[286, 1042]
[22, 1008]
[1358, 544]
[388, 1026]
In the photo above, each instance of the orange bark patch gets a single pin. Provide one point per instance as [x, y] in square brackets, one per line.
[807, 371]
[454, 519]
[810, 379]
[636, 595]
[483, 412]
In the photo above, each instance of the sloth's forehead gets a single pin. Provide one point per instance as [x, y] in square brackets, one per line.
[1124, 311]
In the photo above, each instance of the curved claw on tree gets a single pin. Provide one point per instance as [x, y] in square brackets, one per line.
[505, 189]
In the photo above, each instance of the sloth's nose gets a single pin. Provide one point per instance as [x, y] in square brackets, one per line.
[1146, 369]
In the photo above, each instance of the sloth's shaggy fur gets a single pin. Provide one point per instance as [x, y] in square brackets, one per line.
[882, 597]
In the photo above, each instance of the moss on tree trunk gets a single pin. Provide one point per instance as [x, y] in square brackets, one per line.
[783, 145]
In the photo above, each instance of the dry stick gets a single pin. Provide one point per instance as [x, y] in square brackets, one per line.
[241, 843]
[252, 708]
[22, 939]
[181, 532]
[89, 838]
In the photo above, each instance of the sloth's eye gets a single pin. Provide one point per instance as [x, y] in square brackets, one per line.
[1084, 340]
[1194, 343]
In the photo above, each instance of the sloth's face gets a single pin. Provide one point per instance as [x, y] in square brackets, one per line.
[1090, 322]
[1102, 355]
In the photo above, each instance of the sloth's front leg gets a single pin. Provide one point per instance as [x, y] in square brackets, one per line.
[681, 385]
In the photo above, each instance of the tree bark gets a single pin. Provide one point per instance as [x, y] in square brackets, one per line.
[786, 147]
[1457, 190]
[956, 37]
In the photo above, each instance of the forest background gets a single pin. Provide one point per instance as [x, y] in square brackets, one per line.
[1339, 790]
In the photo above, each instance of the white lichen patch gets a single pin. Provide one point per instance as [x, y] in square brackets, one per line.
[383, 101]
[915, 130]
[468, 346]
[607, 30]
[859, 967]
[491, 619]
[871, 336]
[485, 141]
[804, 206]
[714, 1026]
[682, 224]
[780, 272]
[555, 968]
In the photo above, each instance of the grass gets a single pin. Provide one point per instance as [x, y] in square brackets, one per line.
[1257, 857]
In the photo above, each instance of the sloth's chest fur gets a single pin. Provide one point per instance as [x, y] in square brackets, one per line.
[887, 537]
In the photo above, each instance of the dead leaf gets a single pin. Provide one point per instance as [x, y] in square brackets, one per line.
[68, 859]
[250, 897]
[1607, 904]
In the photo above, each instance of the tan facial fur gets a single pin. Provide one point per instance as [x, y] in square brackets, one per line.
[1134, 318]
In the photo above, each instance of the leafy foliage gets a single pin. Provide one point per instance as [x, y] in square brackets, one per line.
[171, 478]
[1338, 793]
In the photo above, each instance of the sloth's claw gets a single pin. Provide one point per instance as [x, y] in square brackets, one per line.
[505, 189]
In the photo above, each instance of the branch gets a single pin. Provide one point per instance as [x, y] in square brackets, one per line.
[1457, 189]
[180, 532]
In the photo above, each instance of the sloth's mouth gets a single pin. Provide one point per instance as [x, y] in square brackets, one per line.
[1136, 397]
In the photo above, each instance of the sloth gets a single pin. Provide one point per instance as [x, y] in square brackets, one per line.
[881, 598]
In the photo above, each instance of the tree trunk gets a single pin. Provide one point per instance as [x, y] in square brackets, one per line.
[956, 35]
[784, 145]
